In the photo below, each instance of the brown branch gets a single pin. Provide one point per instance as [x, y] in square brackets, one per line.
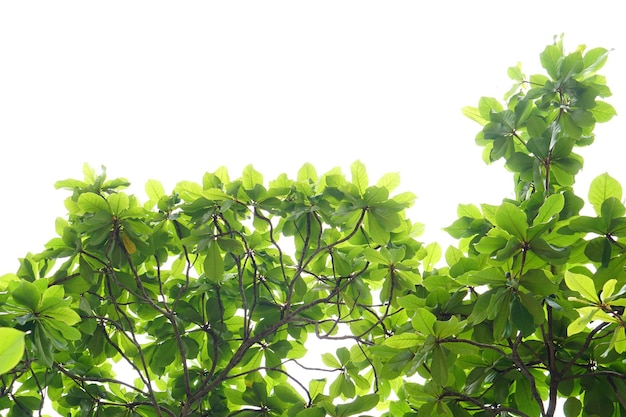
[584, 347]
[493, 408]
[522, 368]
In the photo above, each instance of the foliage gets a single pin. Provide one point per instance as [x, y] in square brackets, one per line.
[210, 300]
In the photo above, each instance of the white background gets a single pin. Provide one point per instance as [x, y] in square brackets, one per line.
[170, 90]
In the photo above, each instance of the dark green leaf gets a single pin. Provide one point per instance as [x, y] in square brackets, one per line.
[522, 318]
[439, 366]
[572, 407]
[27, 295]
[213, 263]
[537, 282]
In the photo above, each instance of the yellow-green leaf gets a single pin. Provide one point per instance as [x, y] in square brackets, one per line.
[118, 202]
[474, 114]
[583, 285]
[602, 187]
[404, 340]
[154, 190]
[423, 321]
[608, 288]
[433, 255]
[11, 348]
[390, 181]
[307, 172]
[620, 340]
[578, 325]
[92, 202]
[62, 314]
[359, 176]
[250, 178]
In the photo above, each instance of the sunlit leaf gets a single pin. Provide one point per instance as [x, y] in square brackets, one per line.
[359, 176]
[404, 340]
[11, 348]
[583, 285]
[433, 255]
[91, 203]
[118, 202]
[423, 321]
[603, 187]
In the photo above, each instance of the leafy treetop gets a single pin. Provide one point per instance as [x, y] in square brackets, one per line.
[210, 296]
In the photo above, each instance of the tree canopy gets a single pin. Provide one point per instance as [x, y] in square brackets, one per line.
[209, 300]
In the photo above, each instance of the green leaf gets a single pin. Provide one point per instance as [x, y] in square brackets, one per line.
[550, 208]
[214, 263]
[118, 202]
[423, 321]
[515, 73]
[522, 318]
[410, 302]
[59, 331]
[603, 111]
[550, 59]
[603, 187]
[619, 340]
[62, 314]
[586, 315]
[6, 279]
[359, 176]
[230, 245]
[537, 282]
[582, 118]
[250, 178]
[316, 387]
[611, 208]
[593, 61]
[439, 366]
[11, 348]
[359, 405]
[583, 285]
[154, 190]
[487, 106]
[389, 181]
[490, 244]
[572, 407]
[513, 220]
[188, 190]
[311, 412]
[595, 401]
[91, 203]
[608, 288]
[288, 395]
[548, 252]
[215, 194]
[376, 256]
[474, 114]
[307, 172]
[27, 295]
[448, 328]
[588, 224]
[524, 398]
[329, 360]
[70, 184]
[404, 340]
[433, 255]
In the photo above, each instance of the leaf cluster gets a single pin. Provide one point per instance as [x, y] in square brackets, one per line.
[209, 300]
